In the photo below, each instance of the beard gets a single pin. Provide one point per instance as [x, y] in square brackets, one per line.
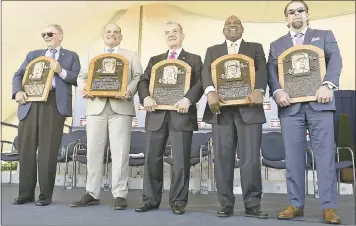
[297, 24]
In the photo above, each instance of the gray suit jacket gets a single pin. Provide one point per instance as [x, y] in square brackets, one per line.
[253, 50]
[324, 40]
[124, 107]
[69, 61]
[182, 122]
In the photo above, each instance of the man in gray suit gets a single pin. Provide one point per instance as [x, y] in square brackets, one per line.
[41, 123]
[178, 124]
[109, 118]
[236, 125]
[317, 116]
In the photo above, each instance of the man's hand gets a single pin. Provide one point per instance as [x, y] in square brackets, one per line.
[255, 98]
[214, 102]
[85, 94]
[128, 96]
[149, 104]
[324, 95]
[183, 105]
[21, 97]
[55, 66]
[282, 98]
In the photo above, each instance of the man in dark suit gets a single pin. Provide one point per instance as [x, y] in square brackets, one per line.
[317, 116]
[41, 123]
[178, 124]
[236, 125]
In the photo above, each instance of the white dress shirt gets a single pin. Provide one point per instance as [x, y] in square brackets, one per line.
[230, 51]
[116, 49]
[63, 73]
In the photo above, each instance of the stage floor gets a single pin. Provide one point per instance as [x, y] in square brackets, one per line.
[200, 210]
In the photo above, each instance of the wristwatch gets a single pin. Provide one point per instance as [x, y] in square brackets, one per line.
[261, 90]
[328, 85]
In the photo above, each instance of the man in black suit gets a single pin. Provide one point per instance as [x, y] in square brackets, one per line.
[178, 124]
[236, 125]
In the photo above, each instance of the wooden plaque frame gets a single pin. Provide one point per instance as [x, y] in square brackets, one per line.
[47, 74]
[108, 93]
[186, 82]
[281, 70]
[251, 65]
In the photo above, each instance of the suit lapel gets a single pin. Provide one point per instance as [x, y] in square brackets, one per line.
[182, 56]
[243, 47]
[288, 42]
[223, 49]
[61, 56]
[308, 36]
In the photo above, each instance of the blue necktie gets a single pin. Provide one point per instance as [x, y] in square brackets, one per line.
[53, 55]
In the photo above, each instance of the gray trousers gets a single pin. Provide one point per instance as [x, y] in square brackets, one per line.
[321, 128]
[153, 174]
[229, 133]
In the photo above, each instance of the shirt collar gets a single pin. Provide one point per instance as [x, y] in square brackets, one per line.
[293, 33]
[58, 49]
[177, 51]
[116, 49]
[237, 42]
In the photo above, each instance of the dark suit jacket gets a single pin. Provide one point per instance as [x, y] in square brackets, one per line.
[253, 50]
[69, 61]
[183, 122]
[320, 38]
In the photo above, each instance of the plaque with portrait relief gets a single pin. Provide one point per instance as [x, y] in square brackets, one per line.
[233, 76]
[301, 70]
[107, 75]
[37, 80]
[170, 81]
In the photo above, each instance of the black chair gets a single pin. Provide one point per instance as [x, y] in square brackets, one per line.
[200, 148]
[12, 155]
[137, 146]
[65, 153]
[272, 151]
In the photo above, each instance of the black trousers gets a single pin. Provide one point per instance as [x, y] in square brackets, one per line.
[42, 128]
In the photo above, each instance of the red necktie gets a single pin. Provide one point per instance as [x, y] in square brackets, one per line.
[172, 56]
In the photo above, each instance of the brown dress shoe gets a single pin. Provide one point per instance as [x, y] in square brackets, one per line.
[290, 212]
[331, 217]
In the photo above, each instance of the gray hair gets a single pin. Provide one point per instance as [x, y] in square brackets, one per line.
[57, 27]
[174, 22]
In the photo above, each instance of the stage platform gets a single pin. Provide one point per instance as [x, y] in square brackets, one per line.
[200, 211]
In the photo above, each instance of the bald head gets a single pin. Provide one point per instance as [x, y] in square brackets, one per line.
[233, 28]
[112, 35]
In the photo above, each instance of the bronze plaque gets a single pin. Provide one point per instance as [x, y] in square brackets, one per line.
[37, 80]
[301, 70]
[107, 75]
[234, 78]
[170, 81]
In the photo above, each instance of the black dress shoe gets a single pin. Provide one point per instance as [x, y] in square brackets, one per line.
[225, 211]
[20, 201]
[146, 206]
[86, 200]
[255, 212]
[178, 209]
[120, 203]
[43, 202]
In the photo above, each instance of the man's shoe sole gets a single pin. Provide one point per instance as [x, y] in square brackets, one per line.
[88, 204]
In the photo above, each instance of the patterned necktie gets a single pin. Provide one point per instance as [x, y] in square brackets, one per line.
[110, 50]
[173, 55]
[298, 39]
[53, 53]
[233, 48]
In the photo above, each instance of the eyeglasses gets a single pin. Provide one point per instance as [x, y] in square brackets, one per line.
[49, 34]
[293, 11]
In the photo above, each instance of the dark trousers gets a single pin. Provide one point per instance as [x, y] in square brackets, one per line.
[229, 133]
[42, 128]
[181, 142]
